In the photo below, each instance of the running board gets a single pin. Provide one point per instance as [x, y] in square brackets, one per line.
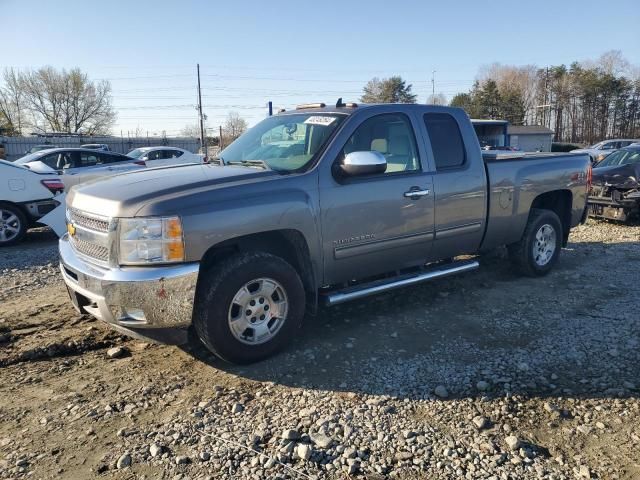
[378, 286]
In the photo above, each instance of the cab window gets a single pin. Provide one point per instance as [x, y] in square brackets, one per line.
[392, 136]
[446, 140]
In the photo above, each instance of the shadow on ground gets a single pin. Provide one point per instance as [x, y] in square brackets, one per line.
[572, 333]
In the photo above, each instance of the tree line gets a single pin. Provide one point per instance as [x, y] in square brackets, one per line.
[584, 102]
[46, 100]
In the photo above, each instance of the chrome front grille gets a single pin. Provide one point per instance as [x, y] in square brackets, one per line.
[92, 250]
[80, 219]
[90, 235]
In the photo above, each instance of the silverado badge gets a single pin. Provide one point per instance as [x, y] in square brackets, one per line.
[71, 229]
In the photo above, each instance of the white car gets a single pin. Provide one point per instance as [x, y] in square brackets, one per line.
[78, 165]
[25, 197]
[164, 156]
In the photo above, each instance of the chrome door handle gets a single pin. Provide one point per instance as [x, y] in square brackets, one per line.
[416, 193]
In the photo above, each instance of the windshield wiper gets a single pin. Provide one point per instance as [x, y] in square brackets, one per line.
[250, 163]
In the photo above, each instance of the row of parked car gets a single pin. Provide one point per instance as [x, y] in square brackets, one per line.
[30, 187]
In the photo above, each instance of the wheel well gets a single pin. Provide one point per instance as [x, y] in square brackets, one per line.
[22, 208]
[558, 201]
[289, 245]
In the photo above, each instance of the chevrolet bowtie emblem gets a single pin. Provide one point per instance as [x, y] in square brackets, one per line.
[71, 229]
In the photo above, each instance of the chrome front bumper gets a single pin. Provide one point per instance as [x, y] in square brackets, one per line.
[130, 297]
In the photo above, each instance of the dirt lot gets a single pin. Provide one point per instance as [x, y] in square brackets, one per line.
[487, 375]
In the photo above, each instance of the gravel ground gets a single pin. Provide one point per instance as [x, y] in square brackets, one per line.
[486, 375]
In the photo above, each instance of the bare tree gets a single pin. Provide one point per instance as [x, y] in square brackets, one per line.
[12, 111]
[191, 131]
[67, 101]
[233, 127]
[437, 99]
[515, 81]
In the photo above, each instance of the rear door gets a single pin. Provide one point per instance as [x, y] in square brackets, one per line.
[374, 224]
[460, 184]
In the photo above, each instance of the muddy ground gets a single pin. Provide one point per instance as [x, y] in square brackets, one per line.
[486, 375]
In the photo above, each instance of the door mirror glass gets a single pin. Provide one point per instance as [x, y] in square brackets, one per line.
[363, 163]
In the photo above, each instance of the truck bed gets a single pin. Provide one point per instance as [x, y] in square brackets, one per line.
[493, 156]
[515, 181]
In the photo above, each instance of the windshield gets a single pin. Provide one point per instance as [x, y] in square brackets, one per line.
[285, 143]
[32, 157]
[137, 153]
[621, 157]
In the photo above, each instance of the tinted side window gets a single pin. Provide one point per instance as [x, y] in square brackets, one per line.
[446, 140]
[88, 159]
[173, 153]
[155, 155]
[392, 136]
[108, 158]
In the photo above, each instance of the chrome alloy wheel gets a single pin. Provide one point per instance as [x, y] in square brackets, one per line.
[258, 311]
[545, 245]
[9, 226]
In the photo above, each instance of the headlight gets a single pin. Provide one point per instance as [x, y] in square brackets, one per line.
[150, 240]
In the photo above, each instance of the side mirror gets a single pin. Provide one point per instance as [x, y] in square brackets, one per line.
[363, 163]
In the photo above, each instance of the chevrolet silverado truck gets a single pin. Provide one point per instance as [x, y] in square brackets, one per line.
[318, 205]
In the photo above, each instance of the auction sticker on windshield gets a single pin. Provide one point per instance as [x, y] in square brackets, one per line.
[317, 120]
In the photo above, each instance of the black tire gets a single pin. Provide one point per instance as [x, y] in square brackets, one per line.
[19, 221]
[522, 252]
[217, 290]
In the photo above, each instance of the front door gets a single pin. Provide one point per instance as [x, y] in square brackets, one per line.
[378, 223]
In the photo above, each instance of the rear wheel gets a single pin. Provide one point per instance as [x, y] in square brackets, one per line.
[13, 224]
[538, 250]
[249, 307]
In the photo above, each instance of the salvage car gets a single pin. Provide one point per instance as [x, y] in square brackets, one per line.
[615, 194]
[25, 197]
[375, 198]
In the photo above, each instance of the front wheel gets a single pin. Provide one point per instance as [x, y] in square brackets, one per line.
[249, 307]
[538, 250]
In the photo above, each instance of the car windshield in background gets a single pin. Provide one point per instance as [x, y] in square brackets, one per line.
[285, 143]
[137, 153]
[621, 157]
[32, 157]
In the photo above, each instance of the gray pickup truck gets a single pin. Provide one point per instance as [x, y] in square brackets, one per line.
[314, 205]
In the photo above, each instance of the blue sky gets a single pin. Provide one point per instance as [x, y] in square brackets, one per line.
[295, 51]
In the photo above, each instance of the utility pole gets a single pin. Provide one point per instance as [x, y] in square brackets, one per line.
[433, 86]
[202, 135]
[220, 141]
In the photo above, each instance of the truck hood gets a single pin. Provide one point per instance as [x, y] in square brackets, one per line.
[622, 176]
[125, 194]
